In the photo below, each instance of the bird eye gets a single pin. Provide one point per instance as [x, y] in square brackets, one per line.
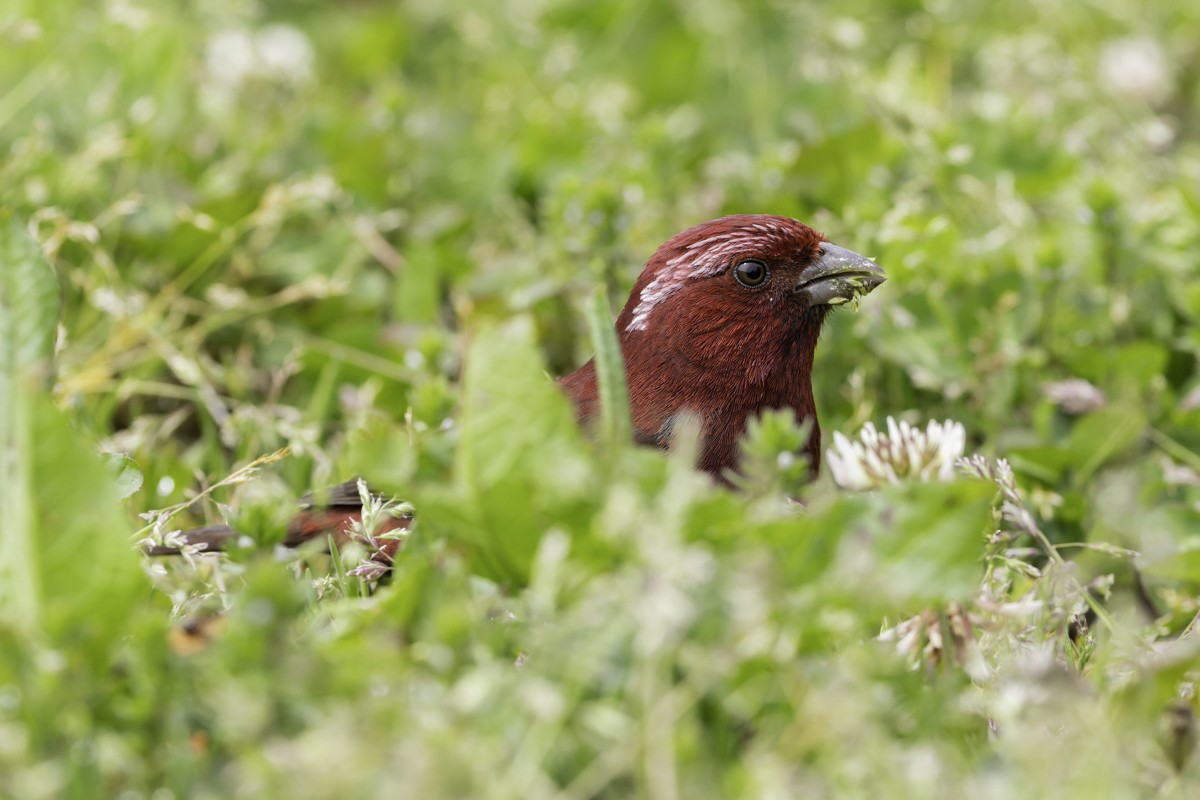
[751, 274]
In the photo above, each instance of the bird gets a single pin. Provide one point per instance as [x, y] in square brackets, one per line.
[721, 325]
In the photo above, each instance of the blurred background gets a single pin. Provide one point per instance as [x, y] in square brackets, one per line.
[283, 223]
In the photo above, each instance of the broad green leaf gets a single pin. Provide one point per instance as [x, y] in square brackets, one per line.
[29, 307]
[67, 569]
[519, 462]
[511, 411]
[86, 566]
[1099, 437]
[1174, 523]
[1122, 371]
[916, 544]
[29, 304]
[1181, 566]
[1045, 463]
[1137, 364]
[382, 451]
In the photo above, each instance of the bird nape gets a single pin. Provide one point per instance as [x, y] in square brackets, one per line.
[721, 325]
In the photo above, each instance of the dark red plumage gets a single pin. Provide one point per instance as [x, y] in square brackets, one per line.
[722, 324]
[697, 340]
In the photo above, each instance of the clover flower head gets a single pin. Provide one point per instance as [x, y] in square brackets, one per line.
[1137, 68]
[1074, 395]
[278, 54]
[905, 452]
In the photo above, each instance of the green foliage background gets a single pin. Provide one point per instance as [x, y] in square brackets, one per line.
[365, 231]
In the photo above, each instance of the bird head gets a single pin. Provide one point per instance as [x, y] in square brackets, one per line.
[723, 323]
[756, 276]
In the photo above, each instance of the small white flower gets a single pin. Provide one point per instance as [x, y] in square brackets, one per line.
[284, 53]
[229, 57]
[226, 297]
[1136, 68]
[1178, 474]
[904, 452]
[849, 33]
[1075, 395]
[279, 54]
[129, 14]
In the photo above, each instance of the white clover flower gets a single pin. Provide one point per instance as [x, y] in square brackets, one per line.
[129, 14]
[848, 32]
[1178, 474]
[1075, 395]
[279, 54]
[284, 53]
[229, 57]
[904, 452]
[1137, 68]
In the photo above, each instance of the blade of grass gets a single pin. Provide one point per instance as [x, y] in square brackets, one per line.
[615, 428]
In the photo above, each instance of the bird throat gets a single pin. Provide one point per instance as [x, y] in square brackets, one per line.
[723, 394]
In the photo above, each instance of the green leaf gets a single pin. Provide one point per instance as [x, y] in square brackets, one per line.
[510, 410]
[520, 462]
[1103, 435]
[29, 304]
[1175, 523]
[66, 566]
[917, 544]
[1181, 566]
[84, 560]
[1045, 463]
[129, 477]
[29, 307]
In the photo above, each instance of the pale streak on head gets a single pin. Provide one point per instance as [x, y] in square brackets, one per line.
[700, 259]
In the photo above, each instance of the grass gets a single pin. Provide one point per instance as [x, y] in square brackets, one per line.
[359, 236]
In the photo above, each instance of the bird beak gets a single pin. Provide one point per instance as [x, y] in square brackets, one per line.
[838, 276]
